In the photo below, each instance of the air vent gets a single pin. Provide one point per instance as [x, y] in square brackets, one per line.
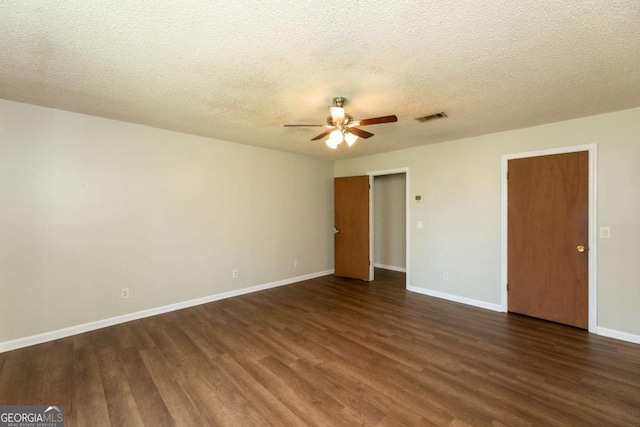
[440, 115]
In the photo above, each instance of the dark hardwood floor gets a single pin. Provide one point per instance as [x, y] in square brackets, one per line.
[331, 352]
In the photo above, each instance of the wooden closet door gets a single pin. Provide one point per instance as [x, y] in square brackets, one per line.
[548, 237]
[351, 201]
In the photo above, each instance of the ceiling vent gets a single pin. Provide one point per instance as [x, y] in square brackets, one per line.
[440, 115]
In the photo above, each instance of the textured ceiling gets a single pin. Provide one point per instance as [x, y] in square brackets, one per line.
[239, 70]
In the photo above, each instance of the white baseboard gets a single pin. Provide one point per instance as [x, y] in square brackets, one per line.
[390, 267]
[456, 298]
[92, 326]
[605, 332]
[623, 336]
[87, 327]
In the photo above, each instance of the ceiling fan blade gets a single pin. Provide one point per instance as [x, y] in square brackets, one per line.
[359, 132]
[296, 126]
[376, 120]
[322, 135]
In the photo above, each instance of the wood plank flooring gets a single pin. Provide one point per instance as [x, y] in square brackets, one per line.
[331, 352]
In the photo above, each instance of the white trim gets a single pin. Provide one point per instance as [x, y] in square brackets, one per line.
[593, 238]
[407, 185]
[389, 172]
[92, 326]
[371, 228]
[456, 298]
[624, 336]
[593, 226]
[407, 181]
[390, 267]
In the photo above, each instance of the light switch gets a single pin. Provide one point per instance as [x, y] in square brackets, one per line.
[420, 225]
[605, 232]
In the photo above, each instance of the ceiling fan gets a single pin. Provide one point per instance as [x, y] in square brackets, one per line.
[342, 127]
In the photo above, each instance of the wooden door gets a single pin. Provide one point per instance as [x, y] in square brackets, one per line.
[547, 227]
[351, 220]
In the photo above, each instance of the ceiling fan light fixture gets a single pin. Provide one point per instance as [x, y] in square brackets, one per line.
[331, 145]
[337, 114]
[335, 139]
[350, 138]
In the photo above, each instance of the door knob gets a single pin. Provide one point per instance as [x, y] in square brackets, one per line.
[335, 230]
[580, 248]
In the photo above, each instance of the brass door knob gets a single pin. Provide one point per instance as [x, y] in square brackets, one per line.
[580, 248]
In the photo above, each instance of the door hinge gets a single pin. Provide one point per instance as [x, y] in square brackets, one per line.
[507, 287]
[507, 175]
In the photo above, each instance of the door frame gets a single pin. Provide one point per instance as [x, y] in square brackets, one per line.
[593, 226]
[405, 171]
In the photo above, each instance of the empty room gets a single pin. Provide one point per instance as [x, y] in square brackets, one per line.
[382, 213]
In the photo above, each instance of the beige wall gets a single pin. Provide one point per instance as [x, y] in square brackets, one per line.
[461, 184]
[89, 206]
[390, 220]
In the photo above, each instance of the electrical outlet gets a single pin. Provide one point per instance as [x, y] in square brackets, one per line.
[124, 293]
[445, 275]
[234, 274]
[295, 263]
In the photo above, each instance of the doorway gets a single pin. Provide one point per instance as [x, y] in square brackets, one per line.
[354, 249]
[549, 245]
[389, 221]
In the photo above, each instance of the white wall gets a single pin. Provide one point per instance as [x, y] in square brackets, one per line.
[389, 197]
[89, 206]
[461, 184]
